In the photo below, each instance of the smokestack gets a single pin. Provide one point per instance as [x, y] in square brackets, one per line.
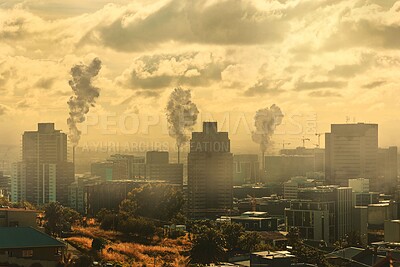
[85, 95]
[73, 157]
[265, 122]
[263, 165]
[181, 115]
[179, 154]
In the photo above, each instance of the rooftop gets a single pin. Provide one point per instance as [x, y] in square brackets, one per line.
[16, 209]
[26, 237]
[274, 254]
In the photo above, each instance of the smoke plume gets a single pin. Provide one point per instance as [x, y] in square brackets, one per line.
[181, 114]
[84, 97]
[265, 122]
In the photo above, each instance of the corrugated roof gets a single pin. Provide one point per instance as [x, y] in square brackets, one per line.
[26, 237]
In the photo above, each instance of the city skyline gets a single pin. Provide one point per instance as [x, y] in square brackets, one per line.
[332, 61]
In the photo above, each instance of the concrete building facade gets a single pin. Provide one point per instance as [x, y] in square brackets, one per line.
[351, 150]
[210, 174]
[44, 173]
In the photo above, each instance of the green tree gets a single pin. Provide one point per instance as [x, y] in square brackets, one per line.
[83, 261]
[128, 208]
[231, 233]
[98, 244]
[24, 205]
[58, 218]
[304, 253]
[156, 201]
[53, 215]
[5, 202]
[208, 246]
[137, 226]
[249, 241]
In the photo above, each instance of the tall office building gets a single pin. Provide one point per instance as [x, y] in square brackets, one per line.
[351, 150]
[321, 213]
[210, 171]
[158, 167]
[387, 169]
[44, 174]
[246, 169]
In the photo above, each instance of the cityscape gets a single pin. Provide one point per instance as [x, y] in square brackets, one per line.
[175, 133]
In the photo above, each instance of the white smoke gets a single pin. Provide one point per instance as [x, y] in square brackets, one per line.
[84, 97]
[181, 115]
[265, 122]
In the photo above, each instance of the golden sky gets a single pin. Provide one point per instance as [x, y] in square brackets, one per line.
[320, 61]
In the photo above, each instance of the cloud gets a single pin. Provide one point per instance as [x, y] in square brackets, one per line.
[161, 71]
[373, 84]
[262, 87]
[350, 70]
[312, 85]
[325, 93]
[4, 109]
[364, 33]
[45, 83]
[222, 22]
[146, 93]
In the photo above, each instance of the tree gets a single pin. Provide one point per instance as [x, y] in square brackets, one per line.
[59, 218]
[156, 201]
[98, 244]
[208, 246]
[54, 218]
[353, 239]
[231, 233]
[24, 205]
[304, 253]
[128, 208]
[137, 226]
[249, 241]
[83, 261]
[4, 202]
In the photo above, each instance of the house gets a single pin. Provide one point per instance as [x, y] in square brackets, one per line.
[359, 257]
[11, 217]
[26, 246]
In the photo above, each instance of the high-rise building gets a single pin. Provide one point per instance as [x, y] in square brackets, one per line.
[359, 185]
[210, 171]
[292, 187]
[351, 150]
[44, 174]
[120, 167]
[321, 213]
[246, 169]
[387, 169]
[158, 167]
[300, 161]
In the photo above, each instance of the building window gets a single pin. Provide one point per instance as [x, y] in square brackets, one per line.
[27, 253]
[58, 251]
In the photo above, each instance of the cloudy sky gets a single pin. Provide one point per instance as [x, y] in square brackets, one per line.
[321, 61]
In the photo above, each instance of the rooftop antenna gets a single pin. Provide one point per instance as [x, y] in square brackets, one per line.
[283, 144]
[319, 139]
[304, 140]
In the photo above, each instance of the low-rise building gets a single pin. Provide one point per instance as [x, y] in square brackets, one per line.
[256, 224]
[25, 246]
[392, 231]
[10, 217]
[291, 187]
[272, 259]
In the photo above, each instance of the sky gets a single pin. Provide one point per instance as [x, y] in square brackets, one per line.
[320, 61]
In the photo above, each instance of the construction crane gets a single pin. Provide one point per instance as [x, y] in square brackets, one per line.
[283, 144]
[319, 139]
[253, 202]
[304, 140]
